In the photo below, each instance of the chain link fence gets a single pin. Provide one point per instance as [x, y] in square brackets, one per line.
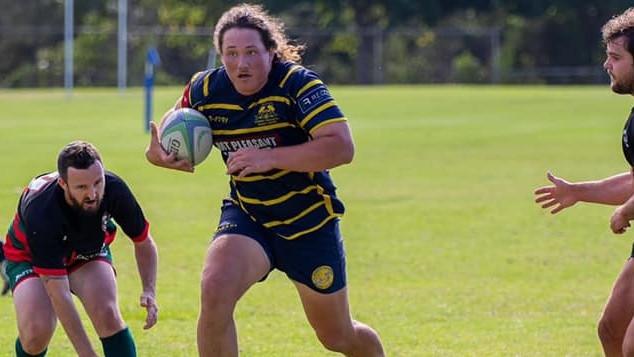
[369, 56]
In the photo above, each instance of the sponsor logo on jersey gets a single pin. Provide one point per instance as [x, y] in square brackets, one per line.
[103, 252]
[263, 142]
[323, 277]
[313, 98]
[219, 119]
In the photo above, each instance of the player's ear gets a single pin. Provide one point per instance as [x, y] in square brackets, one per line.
[62, 183]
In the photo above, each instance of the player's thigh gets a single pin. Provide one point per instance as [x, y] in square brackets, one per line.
[95, 285]
[337, 320]
[233, 263]
[317, 259]
[34, 311]
[238, 256]
[619, 309]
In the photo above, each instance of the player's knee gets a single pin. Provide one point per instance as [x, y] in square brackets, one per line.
[359, 337]
[35, 340]
[333, 343]
[216, 291]
[333, 340]
[108, 320]
[607, 332]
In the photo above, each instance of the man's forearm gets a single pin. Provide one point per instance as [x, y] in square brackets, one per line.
[58, 290]
[614, 190]
[147, 263]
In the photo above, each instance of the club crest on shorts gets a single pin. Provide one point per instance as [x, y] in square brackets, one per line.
[323, 277]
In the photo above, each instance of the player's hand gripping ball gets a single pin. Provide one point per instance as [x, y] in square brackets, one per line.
[187, 133]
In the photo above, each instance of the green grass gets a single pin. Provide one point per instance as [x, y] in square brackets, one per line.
[447, 253]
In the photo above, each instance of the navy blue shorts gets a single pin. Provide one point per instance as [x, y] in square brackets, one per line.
[317, 259]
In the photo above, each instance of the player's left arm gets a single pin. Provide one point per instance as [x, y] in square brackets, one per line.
[127, 212]
[331, 146]
[146, 255]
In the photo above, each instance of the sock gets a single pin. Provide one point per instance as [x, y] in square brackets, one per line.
[19, 352]
[121, 344]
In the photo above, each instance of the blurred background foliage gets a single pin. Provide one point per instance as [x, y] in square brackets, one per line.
[349, 41]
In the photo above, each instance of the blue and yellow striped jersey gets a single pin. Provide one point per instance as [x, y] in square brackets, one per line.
[293, 104]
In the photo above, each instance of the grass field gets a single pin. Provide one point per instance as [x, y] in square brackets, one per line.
[448, 255]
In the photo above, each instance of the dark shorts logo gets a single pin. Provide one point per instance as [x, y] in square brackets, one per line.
[224, 227]
[323, 277]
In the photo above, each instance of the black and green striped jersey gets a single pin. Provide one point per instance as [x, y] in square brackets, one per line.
[51, 235]
[292, 105]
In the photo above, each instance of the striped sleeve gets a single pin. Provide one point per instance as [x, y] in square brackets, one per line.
[316, 105]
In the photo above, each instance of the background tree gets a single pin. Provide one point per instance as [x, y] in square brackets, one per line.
[349, 41]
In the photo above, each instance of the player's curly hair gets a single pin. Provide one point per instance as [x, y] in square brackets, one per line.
[77, 154]
[271, 30]
[620, 25]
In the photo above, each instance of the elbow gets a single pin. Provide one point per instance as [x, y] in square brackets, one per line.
[347, 146]
[346, 153]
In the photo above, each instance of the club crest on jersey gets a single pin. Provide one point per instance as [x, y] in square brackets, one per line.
[266, 115]
[323, 277]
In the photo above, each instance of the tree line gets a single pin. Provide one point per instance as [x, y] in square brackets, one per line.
[351, 41]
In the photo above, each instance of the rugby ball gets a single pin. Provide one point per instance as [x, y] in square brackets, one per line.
[186, 132]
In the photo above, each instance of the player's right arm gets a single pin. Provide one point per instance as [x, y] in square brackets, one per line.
[155, 153]
[614, 190]
[58, 289]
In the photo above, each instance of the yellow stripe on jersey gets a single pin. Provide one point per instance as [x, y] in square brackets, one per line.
[206, 86]
[254, 130]
[309, 85]
[219, 106]
[293, 219]
[274, 98]
[299, 234]
[189, 92]
[290, 71]
[252, 178]
[327, 201]
[196, 75]
[329, 207]
[244, 209]
[255, 201]
[335, 120]
[318, 110]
